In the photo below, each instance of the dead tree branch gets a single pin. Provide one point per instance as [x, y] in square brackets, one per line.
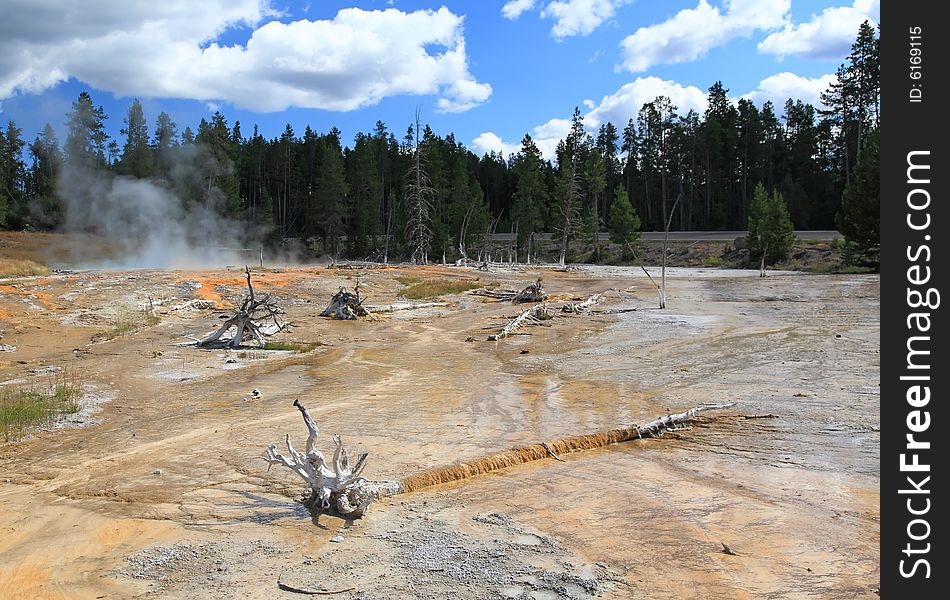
[250, 320]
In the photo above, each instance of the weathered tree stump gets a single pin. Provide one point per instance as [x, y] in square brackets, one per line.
[248, 321]
[336, 486]
[533, 293]
[346, 305]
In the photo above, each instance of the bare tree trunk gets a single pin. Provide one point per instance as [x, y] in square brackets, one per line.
[666, 241]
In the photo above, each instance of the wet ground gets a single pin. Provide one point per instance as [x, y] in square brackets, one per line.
[162, 493]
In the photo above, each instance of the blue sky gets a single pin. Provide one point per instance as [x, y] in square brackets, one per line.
[488, 71]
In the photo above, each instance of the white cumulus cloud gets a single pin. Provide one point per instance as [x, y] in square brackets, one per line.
[827, 35]
[490, 142]
[692, 32]
[617, 108]
[579, 17]
[168, 50]
[780, 87]
[514, 8]
[625, 103]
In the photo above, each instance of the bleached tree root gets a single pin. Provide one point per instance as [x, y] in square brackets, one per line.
[553, 449]
[336, 486]
[247, 320]
[531, 316]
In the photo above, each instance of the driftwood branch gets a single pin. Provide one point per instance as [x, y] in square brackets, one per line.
[530, 316]
[289, 588]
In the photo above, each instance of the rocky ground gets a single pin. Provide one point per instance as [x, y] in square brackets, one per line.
[159, 490]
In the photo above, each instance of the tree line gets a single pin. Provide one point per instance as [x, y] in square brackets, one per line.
[422, 195]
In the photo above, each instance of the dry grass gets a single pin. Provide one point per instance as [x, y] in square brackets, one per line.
[25, 409]
[21, 267]
[127, 324]
[433, 288]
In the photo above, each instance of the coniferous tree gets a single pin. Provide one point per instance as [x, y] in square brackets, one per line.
[12, 172]
[624, 224]
[136, 159]
[860, 217]
[770, 227]
[164, 142]
[529, 199]
[42, 207]
[86, 139]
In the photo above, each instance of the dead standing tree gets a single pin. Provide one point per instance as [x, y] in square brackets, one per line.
[419, 193]
[336, 485]
[661, 289]
[570, 208]
[248, 320]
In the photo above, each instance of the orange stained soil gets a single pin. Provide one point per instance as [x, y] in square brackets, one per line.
[169, 466]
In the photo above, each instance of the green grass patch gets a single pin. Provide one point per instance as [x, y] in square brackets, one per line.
[290, 346]
[25, 409]
[409, 279]
[12, 267]
[128, 324]
[433, 288]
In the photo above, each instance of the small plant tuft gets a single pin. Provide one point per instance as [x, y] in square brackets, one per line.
[25, 409]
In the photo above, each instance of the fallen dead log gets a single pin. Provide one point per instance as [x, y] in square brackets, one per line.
[532, 293]
[339, 487]
[390, 308]
[248, 320]
[496, 294]
[579, 307]
[531, 316]
[553, 449]
[335, 486]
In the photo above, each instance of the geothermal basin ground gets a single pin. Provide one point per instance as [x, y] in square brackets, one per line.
[157, 487]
